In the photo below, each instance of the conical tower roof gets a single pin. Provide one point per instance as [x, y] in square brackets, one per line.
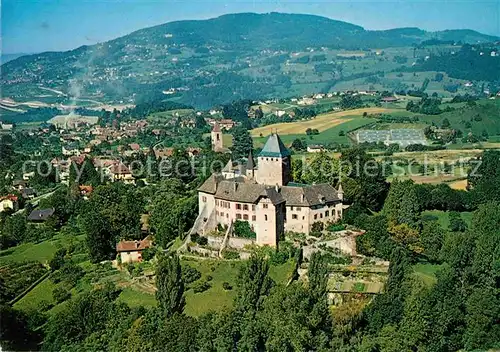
[250, 161]
[216, 127]
[274, 148]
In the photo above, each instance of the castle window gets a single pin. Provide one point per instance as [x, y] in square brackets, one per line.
[327, 213]
[254, 218]
[204, 199]
[245, 217]
[303, 218]
[245, 206]
[321, 216]
[221, 214]
[253, 207]
[265, 206]
[238, 206]
[291, 208]
[238, 216]
[227, 215]
[265, 217]
[294, 216]
[315, 216]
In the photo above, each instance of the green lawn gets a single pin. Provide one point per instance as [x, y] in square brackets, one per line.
[443, 217]
[42, 292]
[216, 297]
[134, 298]
[427, 272]
[43, 251]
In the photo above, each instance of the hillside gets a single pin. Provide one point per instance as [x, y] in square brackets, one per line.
[208, 62]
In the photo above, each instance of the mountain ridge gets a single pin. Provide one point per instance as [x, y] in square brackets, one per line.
[242, 55]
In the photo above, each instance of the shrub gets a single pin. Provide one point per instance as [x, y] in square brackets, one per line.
[59, 294]
[226, 286]
[190, 275]
[243, 229]
[59, 259]
[70, 273]
[195, 237]
[335, 227]
[201, 286]
[149, 253]
[209, 278]
[230, 255]
[202, 241]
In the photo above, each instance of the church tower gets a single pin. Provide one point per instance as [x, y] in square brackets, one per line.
[274, 163]
[216, 136]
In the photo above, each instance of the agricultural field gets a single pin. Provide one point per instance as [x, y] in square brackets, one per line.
[336, 134]
[483, 117]
[321, 122]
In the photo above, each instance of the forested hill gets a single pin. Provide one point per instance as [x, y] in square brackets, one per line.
[243, 53]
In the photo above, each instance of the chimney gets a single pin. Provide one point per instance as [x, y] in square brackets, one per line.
[277, 188]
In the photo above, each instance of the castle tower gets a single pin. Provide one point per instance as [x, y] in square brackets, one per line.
[250, 167]
[274, 163]
[340, 192]
[216, 136]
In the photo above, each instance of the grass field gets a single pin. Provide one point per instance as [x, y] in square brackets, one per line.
[216, 298]
[320, 122]
[443, 217]
[41, 252]
[42, 292]
[427, 272]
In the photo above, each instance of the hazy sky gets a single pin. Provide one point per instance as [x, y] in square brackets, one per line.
[42, 25]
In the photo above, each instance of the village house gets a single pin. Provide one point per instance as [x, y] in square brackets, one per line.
[120, 172]
[19, 184]
[315, 148]
[264, 195]
[6, 126]
[28, 193]
[41, 215]
[9, 202]
[131, 251]
[70, 149]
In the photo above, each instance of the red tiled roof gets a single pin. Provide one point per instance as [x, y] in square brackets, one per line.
[134, 146]
[86, 189]
[131, 246]
[9, 197]
[119, 169]
[216, 127]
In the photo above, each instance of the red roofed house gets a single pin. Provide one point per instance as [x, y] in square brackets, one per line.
[134, 146]
[390, 99]
[120, 172]
[131, 251]
[9, 202]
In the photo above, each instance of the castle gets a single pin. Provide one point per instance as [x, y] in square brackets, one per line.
[264, 195]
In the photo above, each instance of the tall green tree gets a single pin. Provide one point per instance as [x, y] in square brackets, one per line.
[170, 293]
[242, 143]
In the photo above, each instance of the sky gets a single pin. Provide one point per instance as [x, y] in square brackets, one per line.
[31, 26]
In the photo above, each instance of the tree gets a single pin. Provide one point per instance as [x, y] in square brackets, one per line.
[401, 205]
[15, 333]
[242, 143]
[298, 144]
[368, 186]
[322, 169]
[170, 293]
